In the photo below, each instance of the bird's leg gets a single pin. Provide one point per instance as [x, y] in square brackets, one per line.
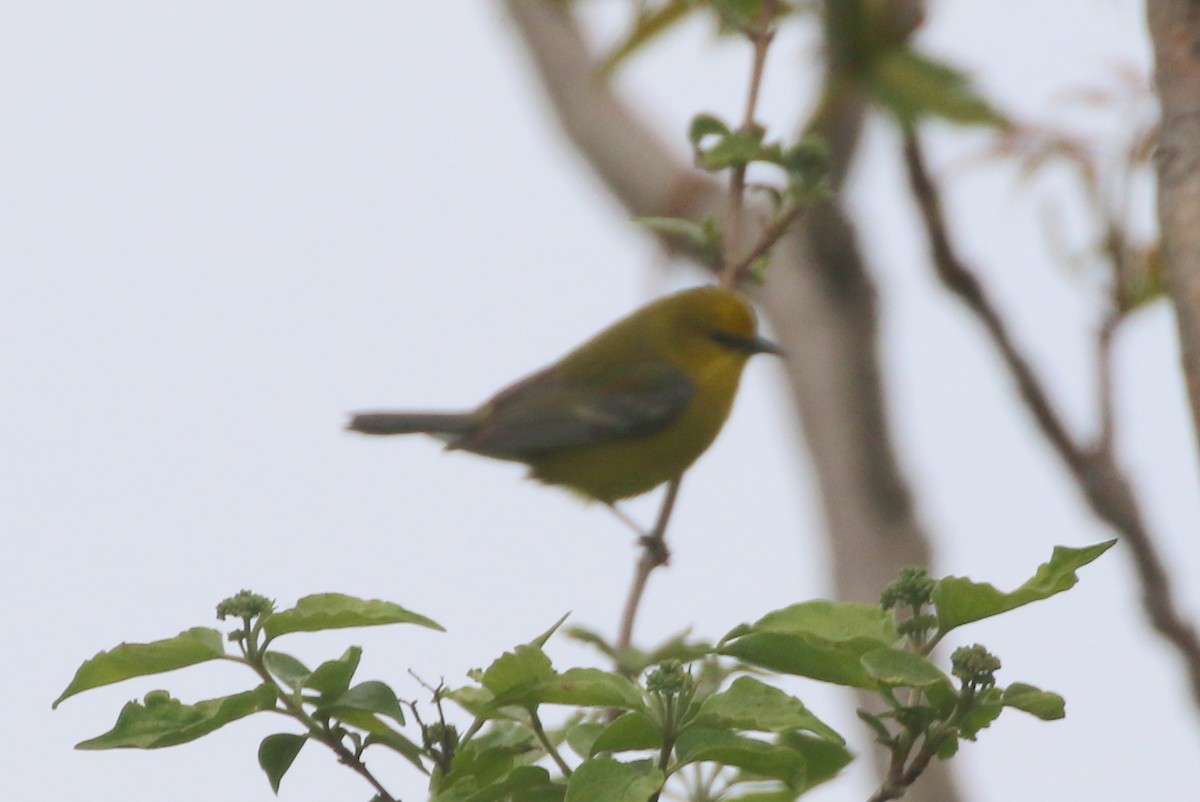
[654, 554]
[626, 519]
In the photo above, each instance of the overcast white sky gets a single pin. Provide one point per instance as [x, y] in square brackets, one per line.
[223, 225]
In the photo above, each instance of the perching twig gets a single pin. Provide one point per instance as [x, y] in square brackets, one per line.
[654, 554]
[1093, 466]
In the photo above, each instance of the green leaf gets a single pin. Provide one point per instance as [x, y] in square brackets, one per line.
[478, 765]
[540, 640]
[338, 611]
[694, 234]
[960, 601]
[581, 735]
[583, 634]
[197, 645]
[1045, 705]
[371, 696]
[522, 784]
[823, 758]
[332, 678]
[899, 668]
[778, 792]
[753, 705]
[700, 744]
[276, 754]
[832, 622]
[913, 85]
[606, 780]
[525, 666]
[805, 657]
[877, 726]
[581, 687]
[649, 25]
[287, 669]
[632, 731]
[738, 16]
[163, 721]
[731, 151]
[679, 648]
[704, 126]
[397, 743]
[475, 701]
[986, 709]
[703, 242]
[947, 749]
[817, 639]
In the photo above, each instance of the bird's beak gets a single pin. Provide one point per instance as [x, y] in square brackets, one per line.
[747, 345]
[761, 345]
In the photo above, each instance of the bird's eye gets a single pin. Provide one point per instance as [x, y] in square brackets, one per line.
[728, 340]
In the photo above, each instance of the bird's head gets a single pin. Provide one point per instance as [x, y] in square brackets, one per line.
[710, 325]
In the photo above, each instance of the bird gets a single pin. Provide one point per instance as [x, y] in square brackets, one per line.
[628, 410]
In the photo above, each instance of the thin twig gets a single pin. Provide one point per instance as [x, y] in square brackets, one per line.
[956, 278]
[760, 37]
[1094, 467]
[770, 235]
[1104, 382]
[654, 554]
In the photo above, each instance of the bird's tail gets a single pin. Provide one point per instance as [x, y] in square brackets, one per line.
[444, 425]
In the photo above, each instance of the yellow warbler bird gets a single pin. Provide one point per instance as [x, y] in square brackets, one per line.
[628, 410]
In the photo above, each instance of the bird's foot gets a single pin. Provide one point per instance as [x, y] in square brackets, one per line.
[655, 549]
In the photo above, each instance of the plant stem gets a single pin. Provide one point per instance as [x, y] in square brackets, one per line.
[536, 723]
[315, 730]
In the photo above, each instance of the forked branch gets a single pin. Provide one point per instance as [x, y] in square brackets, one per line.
[1093, 465]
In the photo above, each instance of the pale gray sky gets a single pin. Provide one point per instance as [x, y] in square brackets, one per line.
[223, 225]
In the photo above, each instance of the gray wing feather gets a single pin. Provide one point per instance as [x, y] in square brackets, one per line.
[547, 412]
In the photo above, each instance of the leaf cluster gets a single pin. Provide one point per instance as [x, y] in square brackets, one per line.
[710, 721]
[718, 147]
[887, 650]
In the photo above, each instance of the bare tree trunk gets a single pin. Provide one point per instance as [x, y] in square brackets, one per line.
[1175, 30]
[820, 301]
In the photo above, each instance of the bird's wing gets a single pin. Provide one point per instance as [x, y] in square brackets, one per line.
[549, 411]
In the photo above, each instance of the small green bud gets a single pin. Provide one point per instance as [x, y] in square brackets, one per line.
[975, 666]
[913, 588]
[439, 733]
[917, 625]
[915, 718]
[668, 679]
[245, 605]
[157, 698]
[808, 163]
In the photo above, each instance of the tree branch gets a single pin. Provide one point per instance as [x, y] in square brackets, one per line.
[1175, 31]
[1094, 467]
